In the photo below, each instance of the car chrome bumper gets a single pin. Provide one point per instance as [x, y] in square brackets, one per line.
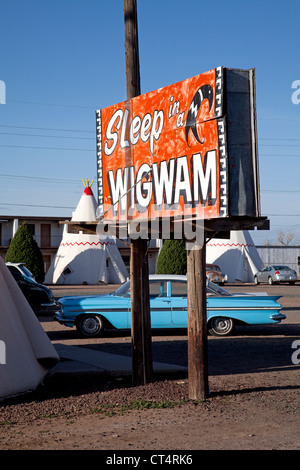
[50, 304]
[48, 308]
[278, 317]
[60, 319]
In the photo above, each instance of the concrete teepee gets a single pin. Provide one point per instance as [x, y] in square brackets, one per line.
[237, 257]
[26, 353]
[86, 258]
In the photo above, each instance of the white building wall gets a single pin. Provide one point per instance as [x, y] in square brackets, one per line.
[287, 255]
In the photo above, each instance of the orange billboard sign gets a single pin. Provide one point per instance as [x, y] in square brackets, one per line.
[164, 153]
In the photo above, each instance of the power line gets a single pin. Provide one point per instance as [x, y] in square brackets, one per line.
[35, 205]
[52, 104]
[47, 148]
[47, 128]
[47, 136]
[264, 155]
[279, 191]
[283, 215]
[276, 145]
[39, 178]
[271, 138]
[277, 119]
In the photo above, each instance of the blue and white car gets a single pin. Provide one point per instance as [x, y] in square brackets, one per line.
[168, 306]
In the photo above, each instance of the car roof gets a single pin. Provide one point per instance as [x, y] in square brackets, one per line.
[15, 264]
[168, 277]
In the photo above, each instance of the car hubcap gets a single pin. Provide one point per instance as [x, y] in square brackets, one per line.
[222, 326]
[90, 325]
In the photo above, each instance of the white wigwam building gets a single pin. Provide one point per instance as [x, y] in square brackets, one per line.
[26, 353]
[237, 257]
[86, 258]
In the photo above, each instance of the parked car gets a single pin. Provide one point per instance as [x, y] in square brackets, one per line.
[214, 274]
[20, 268]
[168, 305]
[275, 274]
[39, 297]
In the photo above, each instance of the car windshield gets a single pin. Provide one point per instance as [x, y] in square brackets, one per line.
[212, 267]
[214, 289]
[29, 280]
[124, 290]
[282, 268]
[26, 271]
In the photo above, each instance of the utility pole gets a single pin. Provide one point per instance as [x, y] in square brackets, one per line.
[139, 270]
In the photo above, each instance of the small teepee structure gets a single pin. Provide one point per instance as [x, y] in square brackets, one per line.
[86, 258]
[237, 257]
[26, 353]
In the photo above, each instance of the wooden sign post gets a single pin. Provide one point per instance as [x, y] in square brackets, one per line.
[197, 324]
[139, 271]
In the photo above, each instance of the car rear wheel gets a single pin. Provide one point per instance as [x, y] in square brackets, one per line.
[270, 281]
[256, 281]
[221, 326]
[90, 325]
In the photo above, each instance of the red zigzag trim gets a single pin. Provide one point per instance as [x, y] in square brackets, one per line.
[228, 244]
[87, 243]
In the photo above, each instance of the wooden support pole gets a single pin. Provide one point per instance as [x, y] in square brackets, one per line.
[197, 324]
[140, 314]
[139, 270]
[131, 49]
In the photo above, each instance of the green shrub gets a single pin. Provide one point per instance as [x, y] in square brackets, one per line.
[172, 258]
[24, 249]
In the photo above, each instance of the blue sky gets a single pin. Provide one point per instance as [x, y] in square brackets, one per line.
[63, 59]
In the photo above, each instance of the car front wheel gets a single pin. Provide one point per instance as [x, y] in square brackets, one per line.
[90, 326]
[256, 281]
[221, 326]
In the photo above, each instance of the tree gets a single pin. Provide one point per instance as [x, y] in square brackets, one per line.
[172, 258]
[24, 249]
[283, 239]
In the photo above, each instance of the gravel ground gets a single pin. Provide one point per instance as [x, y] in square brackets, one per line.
[253, 402]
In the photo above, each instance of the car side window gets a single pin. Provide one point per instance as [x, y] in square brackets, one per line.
[158, 289]
[179, 289]
[13, 269]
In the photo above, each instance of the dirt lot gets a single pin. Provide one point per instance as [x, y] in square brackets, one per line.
[253, 402]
